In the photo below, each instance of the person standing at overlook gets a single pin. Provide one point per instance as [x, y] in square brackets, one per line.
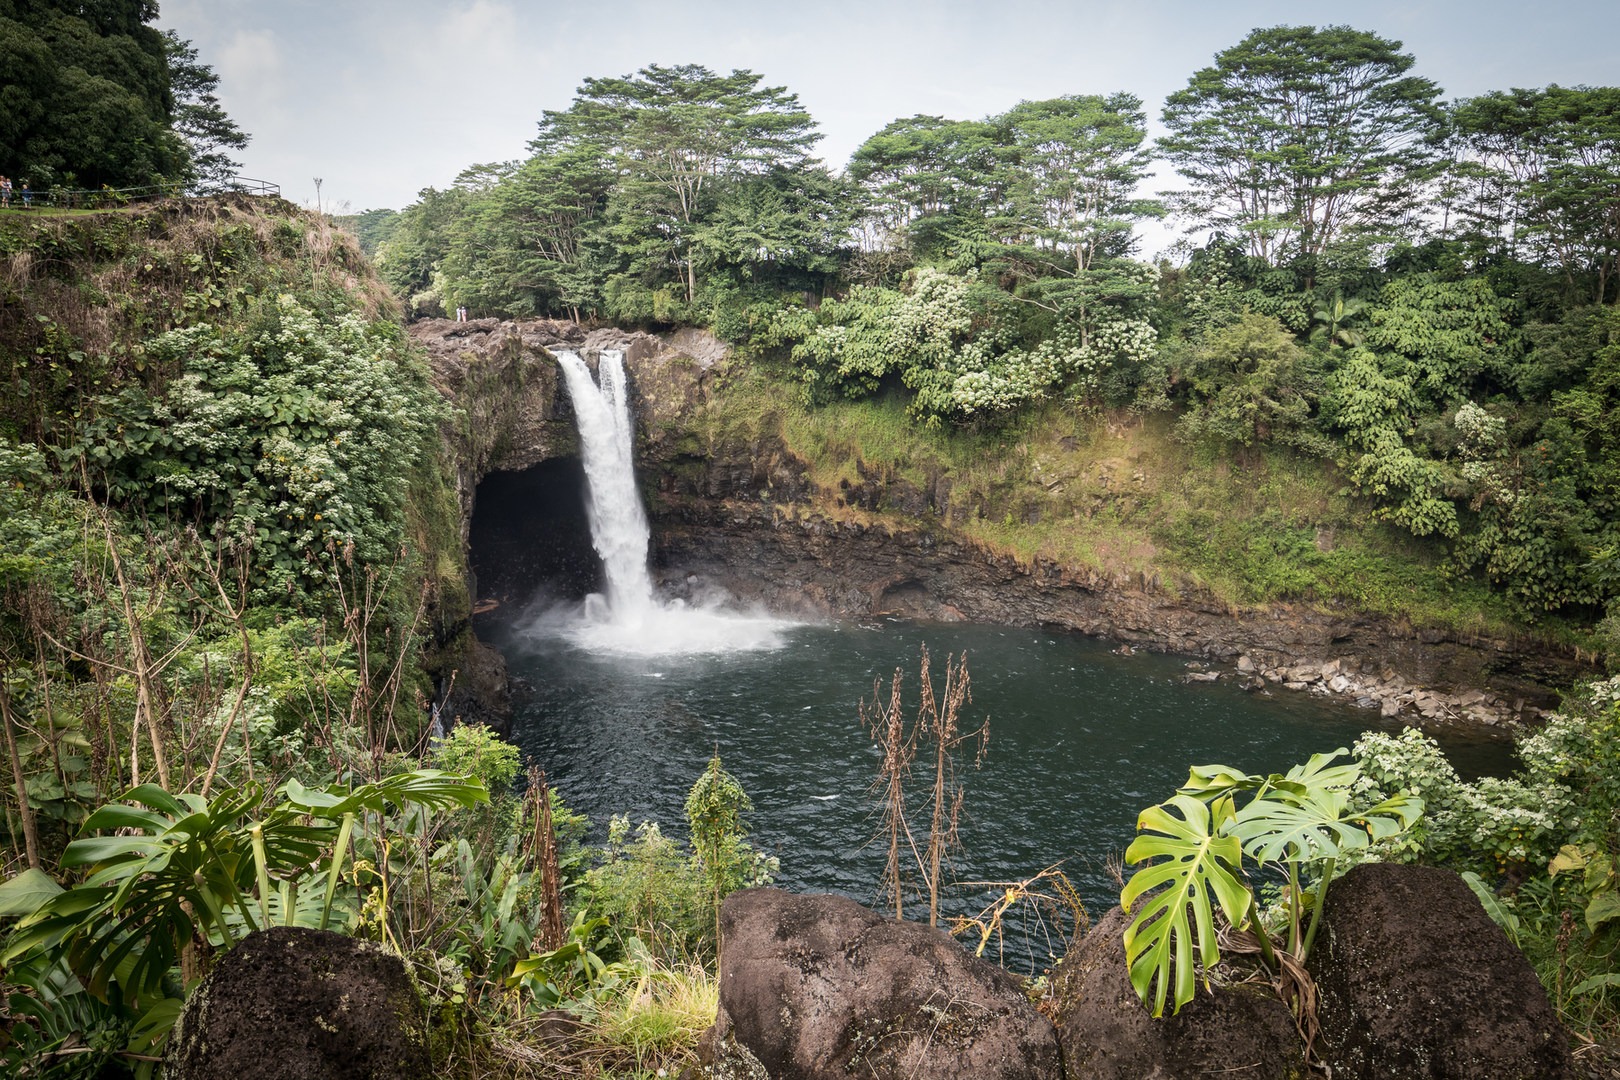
[5, 192]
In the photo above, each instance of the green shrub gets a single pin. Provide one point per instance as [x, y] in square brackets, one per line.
[293, 438]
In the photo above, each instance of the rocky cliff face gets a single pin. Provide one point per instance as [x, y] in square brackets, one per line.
[512, 410]
[733, 507]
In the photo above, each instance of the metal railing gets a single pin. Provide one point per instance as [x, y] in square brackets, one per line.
[249, 186]
[110, 198]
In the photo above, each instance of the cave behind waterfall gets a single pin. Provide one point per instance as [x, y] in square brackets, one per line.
[530, 538]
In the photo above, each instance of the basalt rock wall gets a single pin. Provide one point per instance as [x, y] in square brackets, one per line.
[808, 563]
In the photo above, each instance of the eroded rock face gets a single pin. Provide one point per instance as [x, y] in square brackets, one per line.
[1108, 1034]
[795, 559]
[820, 987]
[296, 1004]
[1414, 982]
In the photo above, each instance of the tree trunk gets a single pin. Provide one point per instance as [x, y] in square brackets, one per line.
[29, 826]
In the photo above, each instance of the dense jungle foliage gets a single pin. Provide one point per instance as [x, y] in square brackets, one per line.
[230, 563]
[93, 96]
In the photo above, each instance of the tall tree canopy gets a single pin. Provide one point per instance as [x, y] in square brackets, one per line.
[926, 179]
[1298, 135]
[676, 135]
[199, 119]
[91, 95]
[1550, 162]
[1075, 165]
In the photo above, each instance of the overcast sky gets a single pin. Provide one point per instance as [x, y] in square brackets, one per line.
[384, 98]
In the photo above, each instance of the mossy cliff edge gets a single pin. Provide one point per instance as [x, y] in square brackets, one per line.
[220, 391]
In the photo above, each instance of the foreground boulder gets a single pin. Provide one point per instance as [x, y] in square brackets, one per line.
[295, 1004]
[1108, 1034]
[1414, 982]
[818, 986]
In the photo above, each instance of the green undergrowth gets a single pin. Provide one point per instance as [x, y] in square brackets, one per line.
[1117, 498]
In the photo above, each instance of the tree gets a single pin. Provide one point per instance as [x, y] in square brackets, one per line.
[786, 223]
[927, 178]
[673, 135]
[1551, 177]
[85, 95]
[1253, 383]
[199, 119]
[1072, 173]
[420, 240]
[525, 243]
[1299, 135]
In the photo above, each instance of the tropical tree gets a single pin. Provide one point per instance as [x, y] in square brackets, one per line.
[788, 225]
[1072, 172]
[199, 119]
[527, 244]
[1551, 178]
[673, 135]
[85, 95]
[928, 180]
[1299, 135]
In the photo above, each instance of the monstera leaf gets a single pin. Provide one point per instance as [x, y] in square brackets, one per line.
[430, 788]
[1302, 820]
[1296, 824]
[1198, 866]
[166, 868]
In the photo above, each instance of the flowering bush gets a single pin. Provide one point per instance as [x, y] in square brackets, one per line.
[1567, 791]
[955, 343]
[293, 436]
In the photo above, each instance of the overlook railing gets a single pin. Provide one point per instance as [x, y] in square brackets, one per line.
[107, 198]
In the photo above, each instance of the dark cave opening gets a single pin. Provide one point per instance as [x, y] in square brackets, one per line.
[530, 537]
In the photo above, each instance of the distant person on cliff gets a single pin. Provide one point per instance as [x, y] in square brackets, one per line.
[5, 192]
[28, 196]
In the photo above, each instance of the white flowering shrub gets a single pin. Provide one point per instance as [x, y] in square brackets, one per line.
[293, 437]
[1568, 791]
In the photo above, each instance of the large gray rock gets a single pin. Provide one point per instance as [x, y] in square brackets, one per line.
[818, 986]
[1108, 1034]
[295, 1004]
[1414, 982]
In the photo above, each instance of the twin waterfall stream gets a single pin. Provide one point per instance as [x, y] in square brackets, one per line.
[629, 619]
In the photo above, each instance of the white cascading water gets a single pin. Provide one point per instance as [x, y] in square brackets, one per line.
[628, 617]
[606, 439]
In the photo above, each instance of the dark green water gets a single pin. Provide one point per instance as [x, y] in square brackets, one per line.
[1081, 740]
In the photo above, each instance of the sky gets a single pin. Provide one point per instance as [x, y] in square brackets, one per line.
[382, 98]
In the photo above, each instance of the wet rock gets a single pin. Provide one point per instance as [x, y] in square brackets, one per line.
[296, 1004]
[1414, 982]
[819, 986]
[480, 690]
[1108, 1034]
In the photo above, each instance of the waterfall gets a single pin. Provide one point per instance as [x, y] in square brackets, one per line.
[628, 618]
[606, 444]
